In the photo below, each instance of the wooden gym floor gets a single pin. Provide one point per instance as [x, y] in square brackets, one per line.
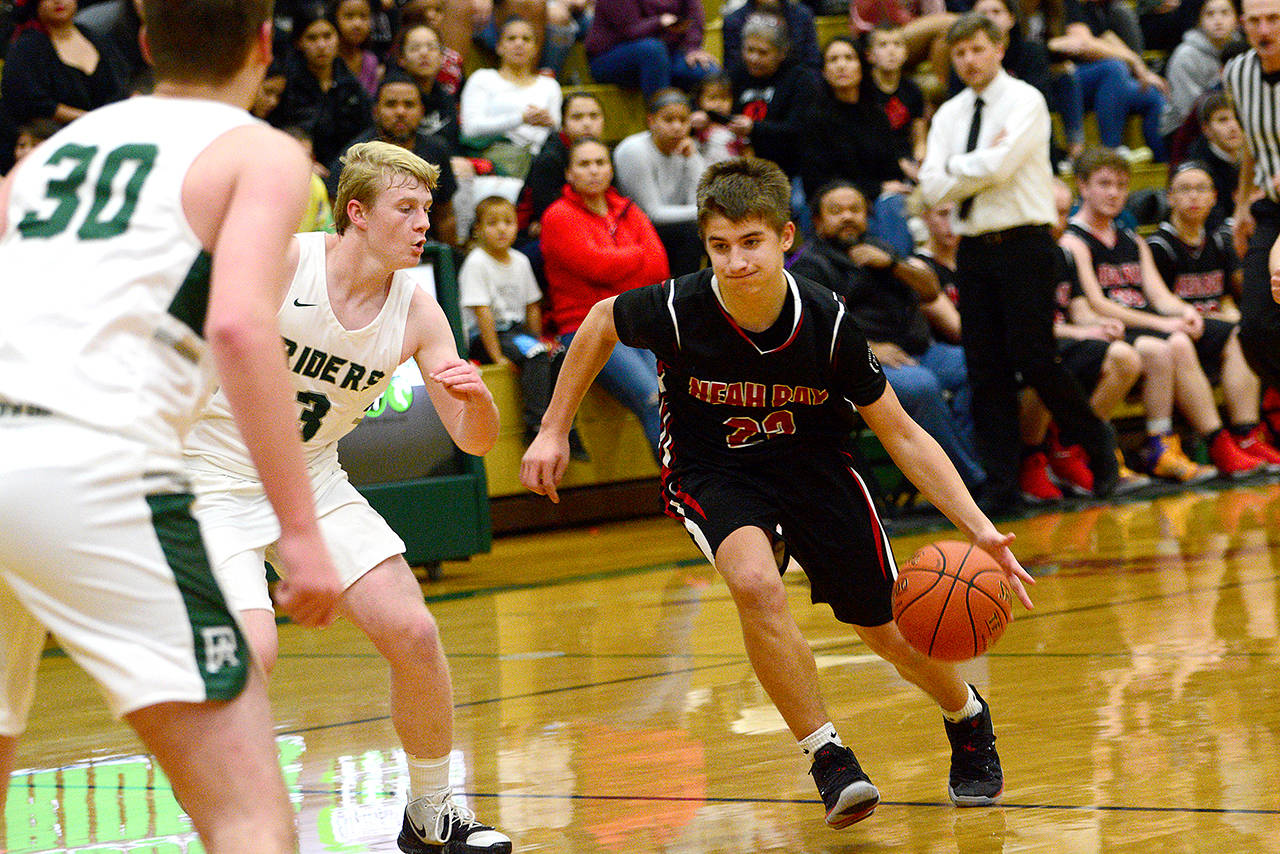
[604, 704]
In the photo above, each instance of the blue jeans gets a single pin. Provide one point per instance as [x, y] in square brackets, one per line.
[1067, 100]
[920, 388]
[631, 375]
[888, 222]
[648, 65]
[1113, 94]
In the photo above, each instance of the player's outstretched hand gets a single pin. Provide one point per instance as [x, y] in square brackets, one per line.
[996, 544]
[309, 587]
[461, 379]
[544, 463]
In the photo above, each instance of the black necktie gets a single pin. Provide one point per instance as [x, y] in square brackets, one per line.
[975, 127]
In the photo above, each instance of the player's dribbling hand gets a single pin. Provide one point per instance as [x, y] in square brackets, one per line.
[544, 463]
[461, 379]
[996, 544]
[309, 588]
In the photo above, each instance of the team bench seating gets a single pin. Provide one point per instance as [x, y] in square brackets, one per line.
[611, 432]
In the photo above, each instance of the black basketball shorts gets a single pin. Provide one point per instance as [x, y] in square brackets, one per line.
[817, 504]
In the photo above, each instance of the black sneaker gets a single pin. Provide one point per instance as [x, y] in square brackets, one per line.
[976, 779]
[846, 791]
[577, 451]
[453, 831]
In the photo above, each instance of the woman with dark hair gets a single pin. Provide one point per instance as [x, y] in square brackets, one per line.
[597, 243]
[321, 95]
[56, 69]
[846, 137]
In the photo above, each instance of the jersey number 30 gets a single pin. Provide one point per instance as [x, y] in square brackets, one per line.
[114, 191]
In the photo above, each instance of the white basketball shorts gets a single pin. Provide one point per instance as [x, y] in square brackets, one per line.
[101, 550]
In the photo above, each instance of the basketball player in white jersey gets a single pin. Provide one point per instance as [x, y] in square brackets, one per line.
[349, 319]
[137, 241]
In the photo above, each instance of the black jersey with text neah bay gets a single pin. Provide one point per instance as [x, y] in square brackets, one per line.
[724, 398]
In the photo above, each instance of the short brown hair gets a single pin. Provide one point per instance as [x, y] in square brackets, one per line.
[367, 170]
[744, 188]
[970, 24]
[1095, 160]
[194, 41]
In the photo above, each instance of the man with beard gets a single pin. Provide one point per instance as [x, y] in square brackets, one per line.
[894, 301]
[397, 115]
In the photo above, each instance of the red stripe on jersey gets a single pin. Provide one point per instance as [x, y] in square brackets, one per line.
[784, 345]
[876, 528]
[677, 500]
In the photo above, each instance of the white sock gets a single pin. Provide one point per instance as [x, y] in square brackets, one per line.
[822, 735]
[967, 711]
[1159, 426]
[428, 778]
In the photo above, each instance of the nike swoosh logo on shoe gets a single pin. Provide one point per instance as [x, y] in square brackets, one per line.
[421, 830]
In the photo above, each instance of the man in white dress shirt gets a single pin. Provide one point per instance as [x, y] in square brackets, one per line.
[988, 151]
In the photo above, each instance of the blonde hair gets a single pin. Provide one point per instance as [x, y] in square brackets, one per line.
[368, 168]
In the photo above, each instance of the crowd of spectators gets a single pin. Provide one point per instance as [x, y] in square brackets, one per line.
[846, 120]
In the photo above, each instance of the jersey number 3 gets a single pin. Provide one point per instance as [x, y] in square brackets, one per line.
[114, 191]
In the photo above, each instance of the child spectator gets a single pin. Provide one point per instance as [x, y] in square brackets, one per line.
[353, 19]
[924, 26]
[321, 95]
[659, 168]
[1118, 277]
[1219, 148]
[713, 102]
[648, 44]
[1200, 267]
[770, 97]
[318, 215]
[509, 111]
[431, 13]
[1195, 66]
[897, 96]
[32, 134]
[418, 54]
[499, 298]
[270, 90]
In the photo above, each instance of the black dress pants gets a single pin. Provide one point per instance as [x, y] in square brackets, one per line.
[1006, 284]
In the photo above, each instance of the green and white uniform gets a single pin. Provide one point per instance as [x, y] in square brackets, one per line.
[103, 293]
[337, 373]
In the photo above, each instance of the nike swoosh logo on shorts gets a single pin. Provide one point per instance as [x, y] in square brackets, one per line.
[301, 304]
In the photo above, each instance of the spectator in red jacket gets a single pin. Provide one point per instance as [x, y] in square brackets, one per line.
[597, 243]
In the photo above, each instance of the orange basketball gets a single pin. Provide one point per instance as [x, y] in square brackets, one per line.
[952, 601]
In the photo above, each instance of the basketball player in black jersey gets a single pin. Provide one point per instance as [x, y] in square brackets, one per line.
[1198, 263]
[761, 373]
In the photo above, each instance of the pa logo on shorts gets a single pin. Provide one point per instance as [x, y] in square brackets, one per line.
[220, 648]
[872, 360]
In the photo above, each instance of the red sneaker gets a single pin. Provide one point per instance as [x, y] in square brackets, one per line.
[1230, 458]
[1071, 465]
[1271, 410]
[1255, 443]
[1034, 479]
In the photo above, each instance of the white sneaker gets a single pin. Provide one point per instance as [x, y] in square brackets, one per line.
[452, 829]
